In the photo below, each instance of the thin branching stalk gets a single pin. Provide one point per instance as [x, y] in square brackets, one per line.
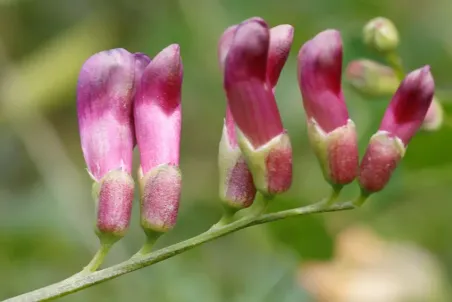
[85, 279]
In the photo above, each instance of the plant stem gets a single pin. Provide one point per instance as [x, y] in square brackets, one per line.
[151, 239]
[98, 258]
[395, 61]
[79, 281]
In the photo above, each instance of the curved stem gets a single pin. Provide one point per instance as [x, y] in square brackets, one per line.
[394, 59]
[98, 258]
[80, 281]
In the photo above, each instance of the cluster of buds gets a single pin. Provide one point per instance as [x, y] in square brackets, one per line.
[373, 79]
[124, 99]
[255, 151]
[330, 129]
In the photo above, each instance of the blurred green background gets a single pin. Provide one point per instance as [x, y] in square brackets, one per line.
[46, 212]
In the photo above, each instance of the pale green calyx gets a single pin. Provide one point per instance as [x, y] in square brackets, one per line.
[322, 141]
[256, 158]
[228, 156]
[384, 138]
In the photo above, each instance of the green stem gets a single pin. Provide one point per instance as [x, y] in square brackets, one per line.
[227, 218]
[79, 282]
[395, 61]
[98, 258]
[151, 239]
[334, 195]
[361, 199]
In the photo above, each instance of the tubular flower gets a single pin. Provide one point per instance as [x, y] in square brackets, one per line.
[104, 106]
[331, 131]
[247, 82]
[403, 118]
[157, 113]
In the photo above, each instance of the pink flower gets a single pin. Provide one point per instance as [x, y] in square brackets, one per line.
[331, 131]
[402, 119]
[104, 107]
[157, 114]
[252, 66]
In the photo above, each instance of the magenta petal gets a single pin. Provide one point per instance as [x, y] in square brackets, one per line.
[157, 110]
[319, 75]
[281, 38]
[104, 107]
[250, 97]
[410, 104]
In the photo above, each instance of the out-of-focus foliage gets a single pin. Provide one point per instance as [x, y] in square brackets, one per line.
[46, 212]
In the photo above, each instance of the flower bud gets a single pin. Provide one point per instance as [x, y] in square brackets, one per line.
[104, 106]
[260, 133]
[157, 112]
[434, 118]
[381, 34]
[371, 78]
[331, 132]
[402, 119]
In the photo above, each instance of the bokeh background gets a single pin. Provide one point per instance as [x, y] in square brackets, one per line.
[396, 248]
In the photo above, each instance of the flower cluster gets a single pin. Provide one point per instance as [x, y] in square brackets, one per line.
[125, 99]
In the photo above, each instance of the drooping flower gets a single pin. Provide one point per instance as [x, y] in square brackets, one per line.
[104, 107]
[157, 113]
[402, 119]
[331, 131]
[260, 133]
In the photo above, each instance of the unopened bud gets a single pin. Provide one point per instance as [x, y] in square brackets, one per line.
[381, 34]
[371, 78]
[114, 196]
[434, 118]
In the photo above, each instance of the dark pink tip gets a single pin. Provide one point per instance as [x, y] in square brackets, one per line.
[160, 198]
[319, 76]
[157, 110]
[115, 203]
[249, 94]
[104, 107]
[281, 38]
[409, 106]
